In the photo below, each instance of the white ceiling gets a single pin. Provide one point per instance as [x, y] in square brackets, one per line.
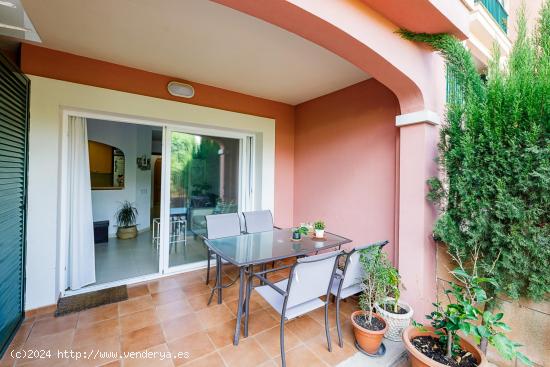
[195, 40]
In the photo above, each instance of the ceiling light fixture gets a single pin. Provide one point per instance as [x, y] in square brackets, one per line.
[181, 90]
[15, 28]
[9, 4]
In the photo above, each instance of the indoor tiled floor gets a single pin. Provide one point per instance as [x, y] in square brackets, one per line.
[171, 315]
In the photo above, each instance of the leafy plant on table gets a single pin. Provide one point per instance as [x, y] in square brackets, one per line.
[301, 230]
[319, 225]
[463, 313]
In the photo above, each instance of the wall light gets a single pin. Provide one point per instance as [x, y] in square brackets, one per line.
[181, 89]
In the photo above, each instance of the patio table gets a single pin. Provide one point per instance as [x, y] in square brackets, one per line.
[247, 250]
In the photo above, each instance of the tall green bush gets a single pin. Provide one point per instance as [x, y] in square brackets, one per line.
[494, 186]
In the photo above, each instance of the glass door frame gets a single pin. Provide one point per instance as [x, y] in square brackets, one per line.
[246, 177]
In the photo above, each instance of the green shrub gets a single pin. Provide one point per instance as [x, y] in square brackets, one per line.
[494, 187]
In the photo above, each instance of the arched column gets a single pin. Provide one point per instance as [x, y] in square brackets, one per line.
[357, 33]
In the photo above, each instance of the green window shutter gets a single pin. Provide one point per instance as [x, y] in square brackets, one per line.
[14, 100]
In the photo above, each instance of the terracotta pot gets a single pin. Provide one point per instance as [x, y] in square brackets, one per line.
[418, 359]
[126, 233]
[368, 340]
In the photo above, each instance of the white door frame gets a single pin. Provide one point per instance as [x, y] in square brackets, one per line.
[246, 178]
[246, 192]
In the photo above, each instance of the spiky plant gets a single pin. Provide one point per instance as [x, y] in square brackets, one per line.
[126, 215]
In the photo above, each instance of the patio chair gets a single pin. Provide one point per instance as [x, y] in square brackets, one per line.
[258, 221]
[218, 226]
[347, 281]
[310, 278]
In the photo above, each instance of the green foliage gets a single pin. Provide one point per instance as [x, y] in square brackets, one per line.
[301, 230]
[494, 191]
[463, 313]
[126, 215]
[380, 279]
[319, 225]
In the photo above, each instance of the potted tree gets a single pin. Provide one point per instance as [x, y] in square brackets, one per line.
[398, 314]
[319, 228]
[441, 345]
[369, 327]
[126, 221]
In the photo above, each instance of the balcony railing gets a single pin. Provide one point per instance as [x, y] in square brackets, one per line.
[496, 9]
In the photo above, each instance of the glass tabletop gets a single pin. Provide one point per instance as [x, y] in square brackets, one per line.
[263, 247]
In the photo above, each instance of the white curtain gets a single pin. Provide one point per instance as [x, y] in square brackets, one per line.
[81, 260]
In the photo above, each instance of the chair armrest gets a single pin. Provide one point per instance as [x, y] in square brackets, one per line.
[267, 282]
[272, 270]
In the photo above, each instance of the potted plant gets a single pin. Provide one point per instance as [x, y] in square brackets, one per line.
[398, 314]
[319, 228]
[126, 221]
[441, 345]
[298, 232]
[369, 327]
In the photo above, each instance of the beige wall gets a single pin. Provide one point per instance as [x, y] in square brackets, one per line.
[532, 8]
[530, 321]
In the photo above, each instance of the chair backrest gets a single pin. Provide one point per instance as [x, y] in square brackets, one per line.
[311, 277]
[222, 225]
[353, 270]
[258, 221]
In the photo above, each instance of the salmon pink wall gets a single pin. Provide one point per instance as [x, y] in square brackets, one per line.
[53, 64]
[345, 162]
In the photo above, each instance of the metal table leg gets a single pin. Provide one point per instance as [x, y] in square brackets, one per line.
[240, 304]
[219, 278]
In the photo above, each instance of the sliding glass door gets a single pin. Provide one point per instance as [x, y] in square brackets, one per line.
[204, 177]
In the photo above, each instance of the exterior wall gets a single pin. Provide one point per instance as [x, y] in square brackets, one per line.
[45, 184]
[53, 64]
[345, 162]
[532, 8]
[530, 321]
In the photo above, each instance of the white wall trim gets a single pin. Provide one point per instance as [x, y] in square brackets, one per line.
[418, 117]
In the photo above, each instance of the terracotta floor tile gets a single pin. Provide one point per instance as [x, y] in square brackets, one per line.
[181, 326]
[318, 346]
[196, 345]
[141, 339]
[232, 305]
[135, 305]
[200, 302]
[113, 364]
[319, 315]
[348, 306]
[247, 354]
[222, 335]
[211, 360]
[52, 343]
[171, 295]
[97, 314]
[138, 320]
[53, 325]
[93, 333]
[300, 357]
[192, 277]
[138, 290]
[270, 363]
[214, 315]
[260, 321]
[196, 289]
[163, 284]
[173, 310]
[108, 351]
[305, 327]
[158, 358]
[269, 341]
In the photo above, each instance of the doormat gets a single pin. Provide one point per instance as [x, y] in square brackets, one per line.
[81, 302]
